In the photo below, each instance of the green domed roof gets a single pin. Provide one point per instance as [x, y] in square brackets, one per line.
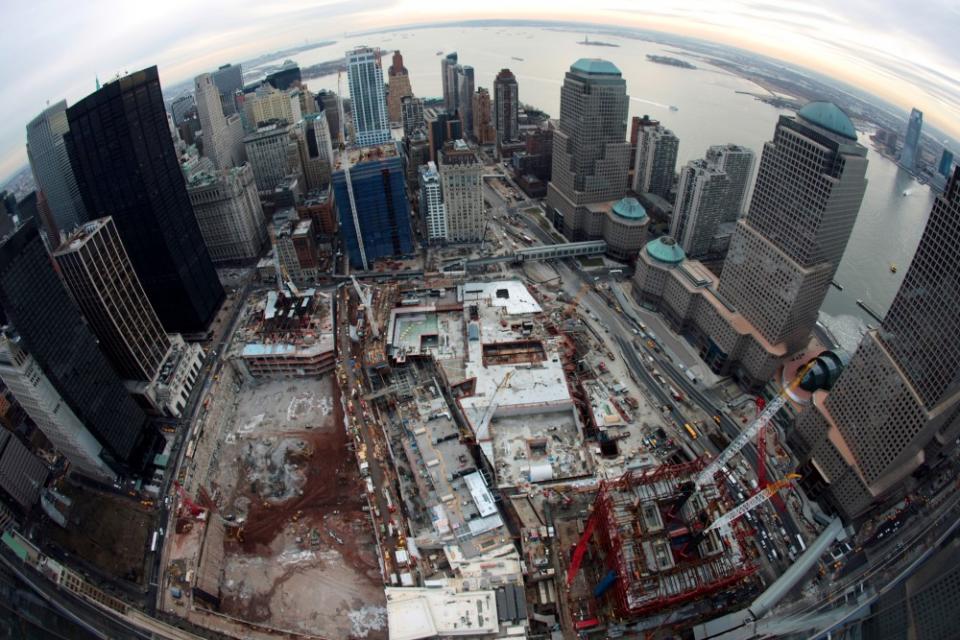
[665, 249]
[830, 117]
[630, 209]
[595, 65]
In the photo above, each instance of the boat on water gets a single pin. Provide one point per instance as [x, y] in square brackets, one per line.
[439, 53]
[516, 58]
[674, 108]
[905, 193]
[893, 267]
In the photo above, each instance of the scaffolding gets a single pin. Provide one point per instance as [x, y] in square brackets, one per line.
[649, 528]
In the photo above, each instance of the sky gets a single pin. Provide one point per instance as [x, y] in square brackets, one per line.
[905, 52]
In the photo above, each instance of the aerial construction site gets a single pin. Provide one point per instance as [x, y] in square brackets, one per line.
[474, 457]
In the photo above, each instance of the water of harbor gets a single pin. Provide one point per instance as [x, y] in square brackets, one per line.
[709, 111]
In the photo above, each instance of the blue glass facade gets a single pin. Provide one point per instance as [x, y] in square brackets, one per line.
[382, 210]
[946, 163]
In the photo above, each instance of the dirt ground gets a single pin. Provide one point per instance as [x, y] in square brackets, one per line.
[306, 559]
[109, 532]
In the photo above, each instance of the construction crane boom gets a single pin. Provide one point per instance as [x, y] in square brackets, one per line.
[277, 267]
[748, 434]
[367, 301]
[751, 503]
[581, 549]
[482, 429]
[345, 161]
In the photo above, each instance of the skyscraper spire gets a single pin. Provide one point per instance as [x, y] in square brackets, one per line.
[98, 82]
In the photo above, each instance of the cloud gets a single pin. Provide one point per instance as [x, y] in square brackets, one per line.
[905, 52]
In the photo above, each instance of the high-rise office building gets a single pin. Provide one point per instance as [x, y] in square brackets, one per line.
[51, 168]
[699, 208]
[448, 77]
[461, 179]
[411, 114]
[329, 104]
[895, 406]
[99, 275]
[181, 108]
[35, 301]
[506, 106]
[923, 604]
[158, 369]
[416, 153]
[274, 153]
[737, 162]
[308, 101]
[465, 84]
[483, 129]
[8, 203]
[945, 166]
[590, 149]
[293, 241]
[399, 87]
[436, 121]
[374, 213]
[368, 103]
[316, 151]
[656, 159]
[286, 77]
[433, 214]
[229, 81]
[218, 140]
[268, 104]
[127, 168]
[229, 213]
[911, 141]
[784, 254]
[33, 390]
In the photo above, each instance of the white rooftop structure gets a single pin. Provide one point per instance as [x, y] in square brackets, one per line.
[531, 434]
[512, 295]
[492, 338]
[414, 613]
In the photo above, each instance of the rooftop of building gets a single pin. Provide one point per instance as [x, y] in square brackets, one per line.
[462, 510]
[491, 337]
[302, 228]
[415, 613]
[286, 324]
[371, 153]
[268, 130]
[665, 249]
[510, 295]
[285, 221]
[521, 409]
[457, 152]
[647, 531]
[630, 209]
[595, 66]
[830, 117]
[79, 236]
[318, 197]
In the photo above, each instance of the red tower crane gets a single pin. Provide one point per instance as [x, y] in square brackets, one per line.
[195, 509]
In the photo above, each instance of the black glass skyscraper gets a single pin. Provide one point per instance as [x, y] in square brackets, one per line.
[126, 167]
[35, 301]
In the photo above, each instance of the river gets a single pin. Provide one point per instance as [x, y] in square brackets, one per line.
[709, 112]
